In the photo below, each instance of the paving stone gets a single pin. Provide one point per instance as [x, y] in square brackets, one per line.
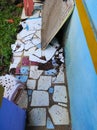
[60, 78]
[49, 124]
[31, 84]
[44, 82]
[37, 117]
[60, 94]
[24, 70]
[22, 78]
[25, 61]
[40, 98]
[34, 72]
[23, 100]
[59, 115]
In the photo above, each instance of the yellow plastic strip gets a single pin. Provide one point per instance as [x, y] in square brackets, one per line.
[88, 31]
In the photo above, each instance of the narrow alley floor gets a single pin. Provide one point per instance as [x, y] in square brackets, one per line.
[42, 72]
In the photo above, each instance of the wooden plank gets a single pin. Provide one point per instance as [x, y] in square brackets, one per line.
[55, 13]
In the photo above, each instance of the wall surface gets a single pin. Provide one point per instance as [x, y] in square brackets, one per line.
[81, 77]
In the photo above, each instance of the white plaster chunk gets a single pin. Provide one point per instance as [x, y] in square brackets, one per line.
[40, 98]
[17, 54]
[44, 82]
[49, 52]
[36, 41]
[60, 94]
[62, 104]
[37, 117]
[37, 52]
[36, 59]
[60, 78]
[59, 115]
[31, 84]
[34, 72]
[25, 34]
[16, 61]
[38, 33]
[28, 45]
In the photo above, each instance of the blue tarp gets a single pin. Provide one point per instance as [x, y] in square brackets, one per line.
[11, 116]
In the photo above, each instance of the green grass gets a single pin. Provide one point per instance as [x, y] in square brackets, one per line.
[7, 31]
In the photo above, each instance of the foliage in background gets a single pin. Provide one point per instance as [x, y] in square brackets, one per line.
[8, 31]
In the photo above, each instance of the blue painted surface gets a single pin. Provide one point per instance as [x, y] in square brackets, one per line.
[11, 116]
[22, 78]
[24, 70]
[51, 90]
[51, 72]
[81, 78]
[91, 8]
[49, 124]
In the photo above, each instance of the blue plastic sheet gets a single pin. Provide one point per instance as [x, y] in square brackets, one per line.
[11, 116]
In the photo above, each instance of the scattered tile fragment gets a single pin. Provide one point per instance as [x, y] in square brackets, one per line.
[34, 72]
[37, 117]
[44, 82]
[60, 94]
[31, 84]
[49, 124]
[59, 115]
[24, 70]
[40, 98]
[62, 104]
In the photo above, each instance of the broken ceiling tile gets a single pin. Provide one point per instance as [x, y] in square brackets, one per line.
[51, 90]
[60, 94]
[34, 72]
[62, 104]
[36, 41]
[60, 78]
[49, 52]
[15, 62]
[28, 45]
[29, 52]
[38, 34]
[52, 72]
[40, 98]
[17, 54]
[24, 70]
[59, 115]
[22, 78]
[25, 34]
[25, 61]
[34, 24]
[36, 59]
[37, 52]
[44, 82]
[49, 124]
[36, 13]
[23, 100]
[37, 117]
[31, 84]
